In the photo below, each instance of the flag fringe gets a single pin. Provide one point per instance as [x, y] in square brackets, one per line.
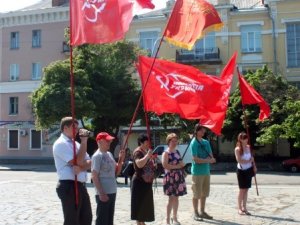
[215, 27]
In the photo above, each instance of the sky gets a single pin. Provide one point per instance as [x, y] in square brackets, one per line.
[8, 5]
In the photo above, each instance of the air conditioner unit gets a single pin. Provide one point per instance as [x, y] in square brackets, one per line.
[23, 132]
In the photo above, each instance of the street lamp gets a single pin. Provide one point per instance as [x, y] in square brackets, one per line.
[153, 52]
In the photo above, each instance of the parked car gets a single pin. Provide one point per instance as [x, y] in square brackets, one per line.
[292, 165]
[181, 148]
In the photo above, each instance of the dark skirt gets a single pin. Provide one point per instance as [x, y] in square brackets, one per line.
[142, 203]
[245, 178]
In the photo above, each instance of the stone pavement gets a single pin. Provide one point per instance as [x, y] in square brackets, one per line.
[34, 202]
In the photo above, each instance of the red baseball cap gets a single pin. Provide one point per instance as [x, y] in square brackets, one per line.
[105, 136]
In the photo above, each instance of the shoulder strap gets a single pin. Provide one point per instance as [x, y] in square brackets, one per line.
[204, 149]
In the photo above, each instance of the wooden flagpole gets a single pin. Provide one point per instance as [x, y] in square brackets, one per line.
[148, 76]
[73, 104]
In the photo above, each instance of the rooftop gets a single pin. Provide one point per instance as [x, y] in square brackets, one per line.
[240, 4]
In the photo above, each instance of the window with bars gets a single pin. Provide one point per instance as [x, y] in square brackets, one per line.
[293, 44]
[251, 38]
[36, 38]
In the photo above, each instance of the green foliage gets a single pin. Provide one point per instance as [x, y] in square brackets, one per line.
[51, 101]
[283, 100]
[105, 90]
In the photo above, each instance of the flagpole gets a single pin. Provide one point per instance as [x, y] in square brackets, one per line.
[72, 95]
[146, 82]
[247, 131]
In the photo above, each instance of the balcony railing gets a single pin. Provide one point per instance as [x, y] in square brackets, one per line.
[199, 56]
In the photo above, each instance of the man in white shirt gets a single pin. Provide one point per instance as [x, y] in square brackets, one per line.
[67, 169]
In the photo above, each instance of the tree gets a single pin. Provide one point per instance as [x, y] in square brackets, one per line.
[284, 102]
[51, 101]
[105, 91]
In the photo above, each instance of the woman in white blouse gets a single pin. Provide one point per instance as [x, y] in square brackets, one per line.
[246, 169]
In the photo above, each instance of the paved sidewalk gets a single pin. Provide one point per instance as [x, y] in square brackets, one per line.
[31, 201]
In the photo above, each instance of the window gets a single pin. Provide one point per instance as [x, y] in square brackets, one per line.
[148, 39]
[14, 40]
[204, 45]
[35, 139]
[295, 83]
[251, 38]
[293, 44]
[36, 38]
[13, 105]
[36, 71]
[14, 72]
[13, 139]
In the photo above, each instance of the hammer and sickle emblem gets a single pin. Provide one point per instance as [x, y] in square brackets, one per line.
[165, 84]
[91, 4]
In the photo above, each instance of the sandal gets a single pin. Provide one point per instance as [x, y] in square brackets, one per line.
[247, 213]
[197, 217]
[242, 212]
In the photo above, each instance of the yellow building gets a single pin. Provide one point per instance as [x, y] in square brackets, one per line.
[262, 32]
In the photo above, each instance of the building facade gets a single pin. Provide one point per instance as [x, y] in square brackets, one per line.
[262, 32]
[30, 39]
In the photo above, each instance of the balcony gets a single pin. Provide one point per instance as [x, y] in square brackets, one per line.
[199, 56]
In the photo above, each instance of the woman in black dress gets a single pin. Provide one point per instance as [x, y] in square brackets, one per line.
[142, 203]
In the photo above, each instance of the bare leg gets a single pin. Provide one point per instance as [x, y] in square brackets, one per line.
[240, 199]
[245, 199]
[195, 205]
[169, 208]
[202, 202]
[175, 208]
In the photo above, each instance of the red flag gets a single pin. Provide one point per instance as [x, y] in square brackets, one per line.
[102, 21]
[251, 97]
[180, 89]
[214, 121]
[145, 4]
[190, 20]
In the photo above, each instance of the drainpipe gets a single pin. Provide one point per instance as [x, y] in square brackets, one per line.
[274, 39]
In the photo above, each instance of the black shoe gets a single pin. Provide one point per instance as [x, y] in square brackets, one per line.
[204, 215]
[197, 217]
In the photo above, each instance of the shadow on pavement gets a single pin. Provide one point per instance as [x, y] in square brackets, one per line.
[276, 218]
[214, 221]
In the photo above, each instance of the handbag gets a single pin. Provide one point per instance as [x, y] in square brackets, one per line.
[128, 171]
[250, 171]
[148, 174]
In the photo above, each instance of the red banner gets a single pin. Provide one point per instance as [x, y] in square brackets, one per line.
[190, 20]
[251, 97]
[215, 120]
[102, 21]
[146, 4]
[184, 90]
